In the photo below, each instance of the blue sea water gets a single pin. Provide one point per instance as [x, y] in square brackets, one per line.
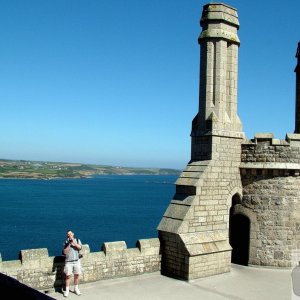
[37, 213]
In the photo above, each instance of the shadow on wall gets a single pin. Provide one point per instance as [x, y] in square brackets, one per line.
[57, 268]
[16, 290]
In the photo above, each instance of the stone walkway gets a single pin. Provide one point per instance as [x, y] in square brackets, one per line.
[241, 283]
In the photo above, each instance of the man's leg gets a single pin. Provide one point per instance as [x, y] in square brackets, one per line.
[68, 279]
[76, 283]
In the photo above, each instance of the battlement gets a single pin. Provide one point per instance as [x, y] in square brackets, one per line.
[264, 151]
[291, 139]
[37, 269]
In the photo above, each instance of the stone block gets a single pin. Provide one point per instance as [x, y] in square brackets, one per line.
[149, 246]
[85, 249]
[178, 211]
[111, 247]
[33, 254]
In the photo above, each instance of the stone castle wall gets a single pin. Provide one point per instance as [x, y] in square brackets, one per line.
[37, 270]
[264, 148]
[270, 172]
[194, 229]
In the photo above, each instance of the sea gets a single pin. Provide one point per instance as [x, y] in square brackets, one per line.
[38, 213]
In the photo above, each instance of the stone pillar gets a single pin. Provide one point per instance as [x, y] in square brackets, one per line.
[194, 228]
[297, 70]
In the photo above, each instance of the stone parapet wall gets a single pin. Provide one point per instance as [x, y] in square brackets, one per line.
[264, 148]
[37, 270]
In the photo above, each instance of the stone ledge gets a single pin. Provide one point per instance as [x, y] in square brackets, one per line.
[218, 33]
[208, 248]
[270, 165]
[204, 237]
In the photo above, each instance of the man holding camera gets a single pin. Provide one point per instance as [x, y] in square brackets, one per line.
[72, 262]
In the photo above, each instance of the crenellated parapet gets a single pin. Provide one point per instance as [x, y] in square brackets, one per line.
[38, 270]
[266, 152]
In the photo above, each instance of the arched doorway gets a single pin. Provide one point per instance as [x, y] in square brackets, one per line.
[239, 235]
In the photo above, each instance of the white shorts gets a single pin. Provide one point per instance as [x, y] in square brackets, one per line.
[73, 267]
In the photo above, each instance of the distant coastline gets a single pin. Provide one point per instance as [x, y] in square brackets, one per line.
[25, 169]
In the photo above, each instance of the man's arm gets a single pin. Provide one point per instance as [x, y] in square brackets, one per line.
[77, 244]
[66, 248]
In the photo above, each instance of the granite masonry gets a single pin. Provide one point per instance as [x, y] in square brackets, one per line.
[269, 210]
[238, 200]
[36, 269]
[194, 229]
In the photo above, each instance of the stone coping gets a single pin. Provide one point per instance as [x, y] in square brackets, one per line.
[270, 165]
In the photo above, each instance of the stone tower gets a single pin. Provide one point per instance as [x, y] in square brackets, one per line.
[194, 229]
[265, 224]
[297, 70]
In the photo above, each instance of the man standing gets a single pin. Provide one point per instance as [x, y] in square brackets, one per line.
[72, 262]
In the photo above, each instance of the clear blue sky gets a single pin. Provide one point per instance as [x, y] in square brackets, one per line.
[116, 81]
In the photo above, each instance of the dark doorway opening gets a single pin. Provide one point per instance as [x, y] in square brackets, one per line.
[239, 237]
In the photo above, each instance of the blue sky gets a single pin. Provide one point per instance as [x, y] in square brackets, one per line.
[116, 82]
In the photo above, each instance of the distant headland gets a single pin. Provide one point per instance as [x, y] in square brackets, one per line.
[26, 169]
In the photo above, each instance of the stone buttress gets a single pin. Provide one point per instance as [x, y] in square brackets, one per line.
[194, 229]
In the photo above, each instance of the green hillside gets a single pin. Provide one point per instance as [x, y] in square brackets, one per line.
[49, 170]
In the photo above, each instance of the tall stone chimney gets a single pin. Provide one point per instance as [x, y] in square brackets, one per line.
[217, 114]
[297, 70]
[194, 231]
